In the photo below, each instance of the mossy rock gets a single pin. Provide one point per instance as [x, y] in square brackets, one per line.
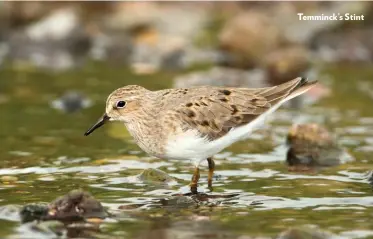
[156, 176]
[75, 206]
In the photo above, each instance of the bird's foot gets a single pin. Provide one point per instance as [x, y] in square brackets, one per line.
[193, 188]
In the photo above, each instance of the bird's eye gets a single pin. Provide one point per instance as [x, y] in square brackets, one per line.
[121, 104]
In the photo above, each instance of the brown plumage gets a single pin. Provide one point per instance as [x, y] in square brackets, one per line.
[216, 110]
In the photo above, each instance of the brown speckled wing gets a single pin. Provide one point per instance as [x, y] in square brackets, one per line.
[216, 114]
[214, 111]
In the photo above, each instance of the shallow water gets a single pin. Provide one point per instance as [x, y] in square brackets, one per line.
[45, 155]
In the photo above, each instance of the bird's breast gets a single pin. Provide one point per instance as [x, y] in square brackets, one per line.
[147, 137]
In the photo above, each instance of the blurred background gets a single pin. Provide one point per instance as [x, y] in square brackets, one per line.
[60, 60]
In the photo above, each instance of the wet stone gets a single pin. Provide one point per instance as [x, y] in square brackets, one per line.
[312, 145]
[76, 214]
[75, 206]
[156, 176]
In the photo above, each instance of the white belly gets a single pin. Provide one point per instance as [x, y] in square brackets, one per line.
[190, 146]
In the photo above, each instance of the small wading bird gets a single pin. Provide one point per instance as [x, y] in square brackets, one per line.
[195, 123]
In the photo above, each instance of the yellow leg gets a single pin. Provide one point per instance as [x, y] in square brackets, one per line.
[211, 164]
[194, 183]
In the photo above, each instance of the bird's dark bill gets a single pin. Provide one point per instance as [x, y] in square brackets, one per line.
[99, 123]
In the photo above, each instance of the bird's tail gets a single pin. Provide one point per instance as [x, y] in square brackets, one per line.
[287, 90]
[303, 86]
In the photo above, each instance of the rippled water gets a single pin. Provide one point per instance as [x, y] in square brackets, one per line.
[45, 155]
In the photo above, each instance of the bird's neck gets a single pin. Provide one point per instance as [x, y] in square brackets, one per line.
[146, 131]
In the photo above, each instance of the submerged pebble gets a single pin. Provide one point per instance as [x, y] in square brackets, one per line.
[9, 179]
[305, 233]
[152, 175]
[179, 202]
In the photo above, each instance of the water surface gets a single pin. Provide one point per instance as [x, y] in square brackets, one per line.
[45, 155]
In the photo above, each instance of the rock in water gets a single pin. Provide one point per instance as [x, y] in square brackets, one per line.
[77, 205]
[74, 206]
[152, 175]
[312, 145]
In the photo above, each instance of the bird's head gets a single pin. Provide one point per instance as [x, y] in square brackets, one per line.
[121, 105]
